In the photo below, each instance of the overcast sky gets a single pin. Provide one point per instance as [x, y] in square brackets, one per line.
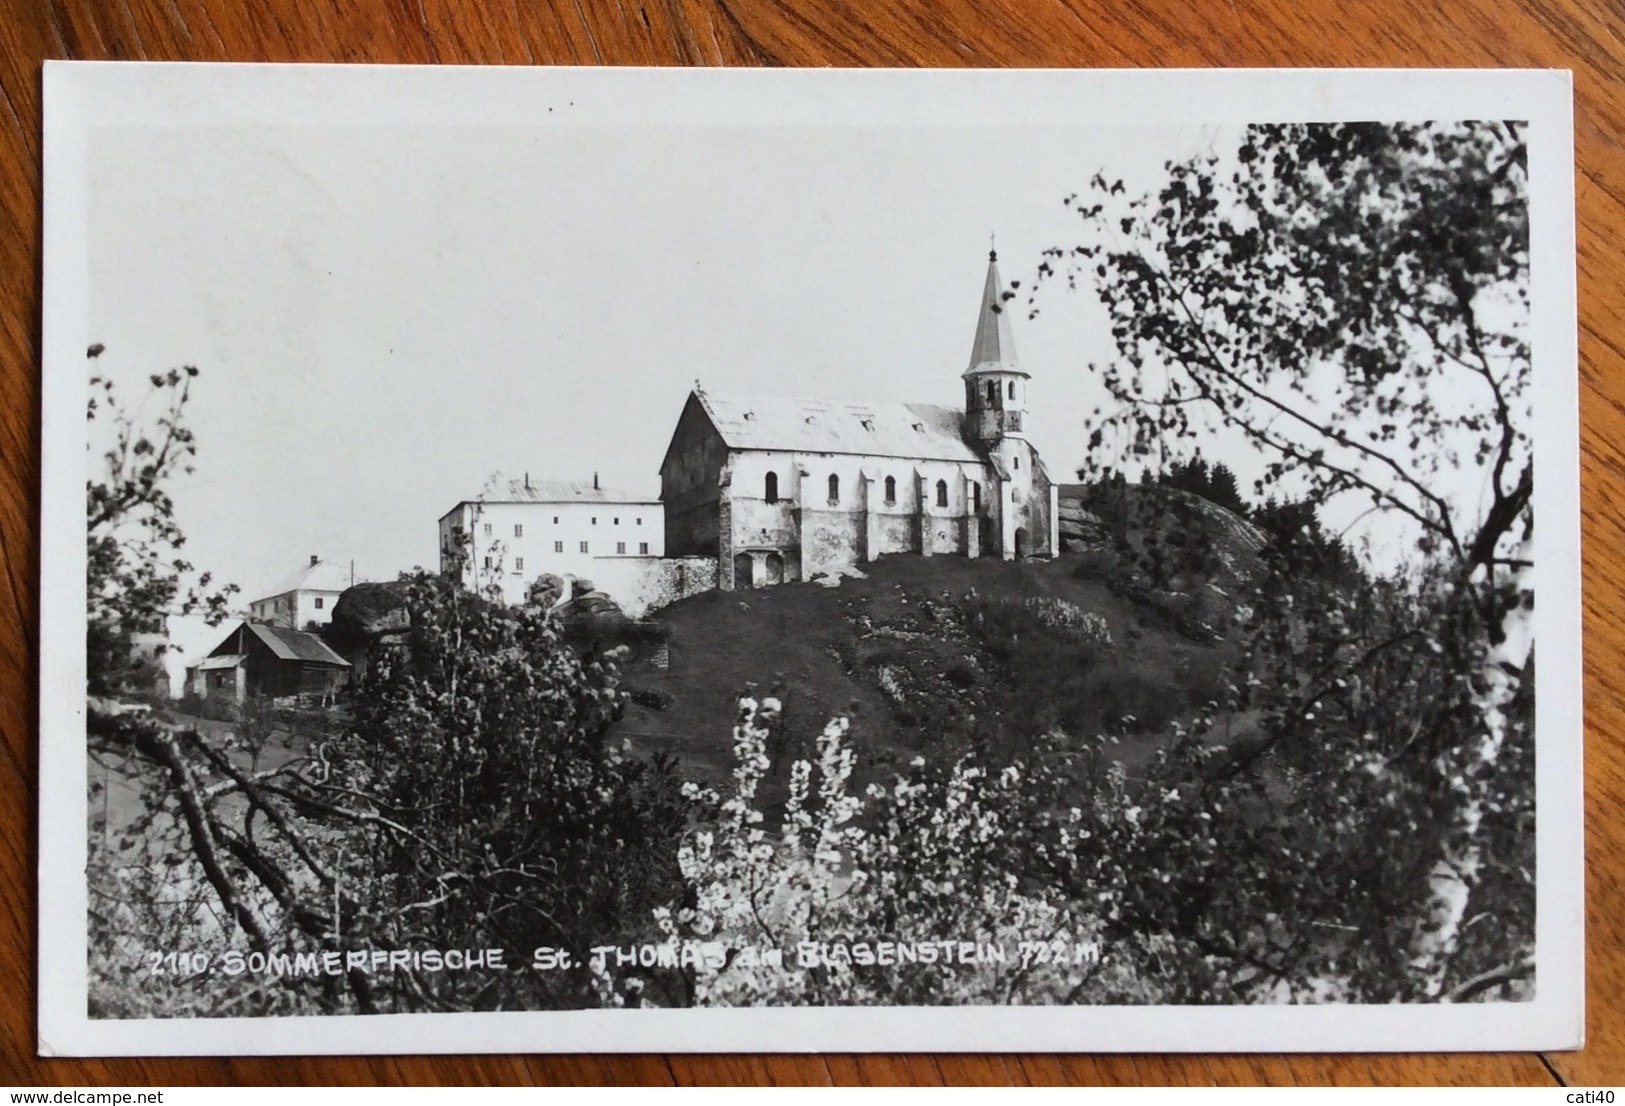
[382, 317]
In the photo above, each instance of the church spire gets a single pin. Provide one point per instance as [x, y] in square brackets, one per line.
[994, 349]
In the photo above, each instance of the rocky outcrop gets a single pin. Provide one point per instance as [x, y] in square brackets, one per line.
[365, 615]
[366, 612]
[592, 618]
[1080, 528]
[547, 591]
[1174, 551]
[591, 608]
[1165, 524]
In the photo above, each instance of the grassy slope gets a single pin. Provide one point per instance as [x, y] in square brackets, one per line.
[824, 648]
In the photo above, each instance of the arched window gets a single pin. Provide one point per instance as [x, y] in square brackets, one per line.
[834, 489]
[891, 489]
[992, 390]
[976, 497]
[771, 491]
[942, 493]
[1012, 389]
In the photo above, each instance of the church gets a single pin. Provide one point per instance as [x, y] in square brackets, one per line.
[780, 489]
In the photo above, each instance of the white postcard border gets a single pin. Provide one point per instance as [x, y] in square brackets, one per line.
[82, 96]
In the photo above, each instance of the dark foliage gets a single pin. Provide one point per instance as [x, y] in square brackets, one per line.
[1214, 483]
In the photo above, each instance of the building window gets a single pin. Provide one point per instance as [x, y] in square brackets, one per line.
[558, 547]
[519, 564]
[976, 497]
[891, 489]
[583, 547]
[1012, 389]
[942, 493]
[487, 529]
[992, 391]
[640, 522]
[770, 491]
[1015, 462]
[595, 520]
[488, 562]
[555, 520]
[616, 521]
[643, 548]
[834, 489]
[318, 602]
[518, 530]
[620, 547]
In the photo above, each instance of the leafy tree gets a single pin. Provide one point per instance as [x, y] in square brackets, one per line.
[135, 576]
[143, 891]
[1351, 300]
[484, 741]
[465, 798]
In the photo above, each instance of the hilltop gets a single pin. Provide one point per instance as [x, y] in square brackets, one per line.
[927, 655]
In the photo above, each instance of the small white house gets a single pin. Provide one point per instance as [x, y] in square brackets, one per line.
[304, 601]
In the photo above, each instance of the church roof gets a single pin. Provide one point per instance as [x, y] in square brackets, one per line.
[909, 430]
[994, 349]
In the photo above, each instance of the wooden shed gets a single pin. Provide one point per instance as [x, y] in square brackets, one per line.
[260, 660]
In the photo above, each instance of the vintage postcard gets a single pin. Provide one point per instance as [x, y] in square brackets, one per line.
[577, 559]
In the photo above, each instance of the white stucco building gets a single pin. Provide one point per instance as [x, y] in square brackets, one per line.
[520, 529]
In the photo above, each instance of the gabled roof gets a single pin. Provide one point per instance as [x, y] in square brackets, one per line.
[321, 576]
[906, 430]
[501, 489]
[994, 349]
[295, 645]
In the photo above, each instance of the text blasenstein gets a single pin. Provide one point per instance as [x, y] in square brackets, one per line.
[885, 953]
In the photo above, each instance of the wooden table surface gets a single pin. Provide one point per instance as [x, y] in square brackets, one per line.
[1583, 35]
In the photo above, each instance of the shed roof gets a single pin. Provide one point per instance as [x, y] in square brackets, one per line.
[909, 430]
[295, 645]
[223, 660]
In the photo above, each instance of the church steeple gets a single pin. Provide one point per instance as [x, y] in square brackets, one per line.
[995, 383]
[994, 349]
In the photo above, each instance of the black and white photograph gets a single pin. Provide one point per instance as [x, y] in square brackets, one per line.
[604, 560]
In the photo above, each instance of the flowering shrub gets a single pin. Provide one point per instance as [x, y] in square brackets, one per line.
[1058, 614]
[922, 863]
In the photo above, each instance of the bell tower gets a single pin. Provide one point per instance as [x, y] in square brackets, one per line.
[995, 384]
